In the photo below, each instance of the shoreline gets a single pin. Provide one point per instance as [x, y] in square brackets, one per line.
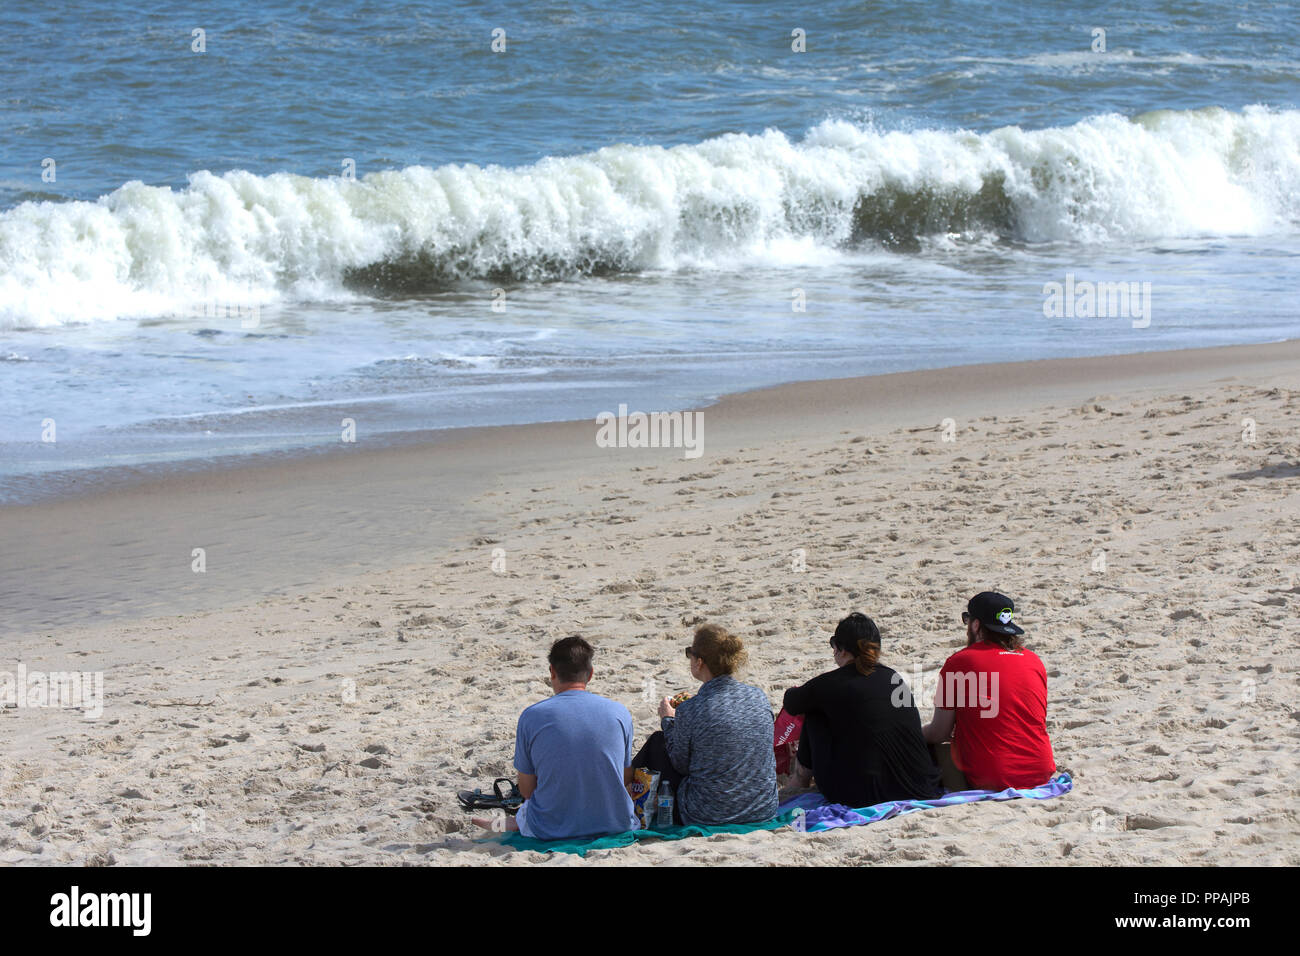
[279, 526]
[113, 478]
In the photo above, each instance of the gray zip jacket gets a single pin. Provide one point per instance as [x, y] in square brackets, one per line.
[721, 739]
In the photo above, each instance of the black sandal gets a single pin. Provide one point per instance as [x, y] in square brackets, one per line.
[471, 800]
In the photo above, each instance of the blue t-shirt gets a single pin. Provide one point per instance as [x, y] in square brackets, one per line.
[577, 744]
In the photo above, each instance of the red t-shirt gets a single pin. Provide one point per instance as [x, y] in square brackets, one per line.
[1000, 699]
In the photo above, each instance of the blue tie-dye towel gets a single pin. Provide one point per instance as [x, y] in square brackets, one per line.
[820, 815]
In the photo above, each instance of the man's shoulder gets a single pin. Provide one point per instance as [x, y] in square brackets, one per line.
[965, 656]
[610, 705]
[1023, 654]
[588, 702]
[580, 705]
[535, 711]
[1018, 666]
[1031, 660]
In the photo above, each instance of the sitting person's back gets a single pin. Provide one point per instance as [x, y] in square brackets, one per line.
[726, 733]
[717, 746]
[861, 740]
[992, 699]
[572, 751]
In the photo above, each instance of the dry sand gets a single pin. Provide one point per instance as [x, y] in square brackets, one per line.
[383, 615]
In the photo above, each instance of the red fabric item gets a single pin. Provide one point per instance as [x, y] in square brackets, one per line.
[785, 739]
[1000, 699]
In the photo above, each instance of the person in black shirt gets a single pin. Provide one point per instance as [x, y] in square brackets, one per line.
[861, 740]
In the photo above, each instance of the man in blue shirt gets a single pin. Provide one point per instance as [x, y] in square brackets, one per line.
[573, 752]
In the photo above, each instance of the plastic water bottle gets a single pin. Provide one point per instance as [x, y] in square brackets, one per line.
[664, 814]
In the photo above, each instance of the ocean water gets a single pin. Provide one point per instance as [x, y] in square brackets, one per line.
[236, 240]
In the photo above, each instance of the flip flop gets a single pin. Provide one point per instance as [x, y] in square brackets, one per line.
[510, 802]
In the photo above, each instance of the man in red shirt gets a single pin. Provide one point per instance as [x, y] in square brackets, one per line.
[992, 702]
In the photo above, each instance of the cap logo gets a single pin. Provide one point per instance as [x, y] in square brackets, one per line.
[1005, 615]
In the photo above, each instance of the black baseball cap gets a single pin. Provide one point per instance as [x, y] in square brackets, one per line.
[994, 611]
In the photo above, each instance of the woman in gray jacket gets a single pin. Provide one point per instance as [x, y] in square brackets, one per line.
[716, 748]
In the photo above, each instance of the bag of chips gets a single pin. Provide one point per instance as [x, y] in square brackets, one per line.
[644, 791]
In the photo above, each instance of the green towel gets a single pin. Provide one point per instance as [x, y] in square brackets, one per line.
[582, 845]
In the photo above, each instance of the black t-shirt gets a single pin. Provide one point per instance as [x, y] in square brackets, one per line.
[864, 733]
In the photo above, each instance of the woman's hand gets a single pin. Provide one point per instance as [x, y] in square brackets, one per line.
[666, 708]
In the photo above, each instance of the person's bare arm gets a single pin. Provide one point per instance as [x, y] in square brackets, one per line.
[526, 783]
[628, 774]
[940, 726]
[800, 776]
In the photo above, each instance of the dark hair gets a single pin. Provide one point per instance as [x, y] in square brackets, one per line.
[721, 651]
[571, 658]
[858, 635]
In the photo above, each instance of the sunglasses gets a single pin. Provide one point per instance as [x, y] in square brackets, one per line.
[965, 617]
[690, 652]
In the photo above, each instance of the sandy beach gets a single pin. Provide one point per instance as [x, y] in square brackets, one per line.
[370, 623]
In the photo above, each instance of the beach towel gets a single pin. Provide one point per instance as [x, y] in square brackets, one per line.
[820, 815]
[583, 846]
[817, 815]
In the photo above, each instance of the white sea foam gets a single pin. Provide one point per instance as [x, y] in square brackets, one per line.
[240, 239]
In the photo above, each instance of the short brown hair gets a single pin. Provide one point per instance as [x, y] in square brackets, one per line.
[721, 651]
[571, 658]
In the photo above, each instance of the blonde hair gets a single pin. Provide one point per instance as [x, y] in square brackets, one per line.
[720, 650]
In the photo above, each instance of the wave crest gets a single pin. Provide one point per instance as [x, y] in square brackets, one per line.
[240, 238]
